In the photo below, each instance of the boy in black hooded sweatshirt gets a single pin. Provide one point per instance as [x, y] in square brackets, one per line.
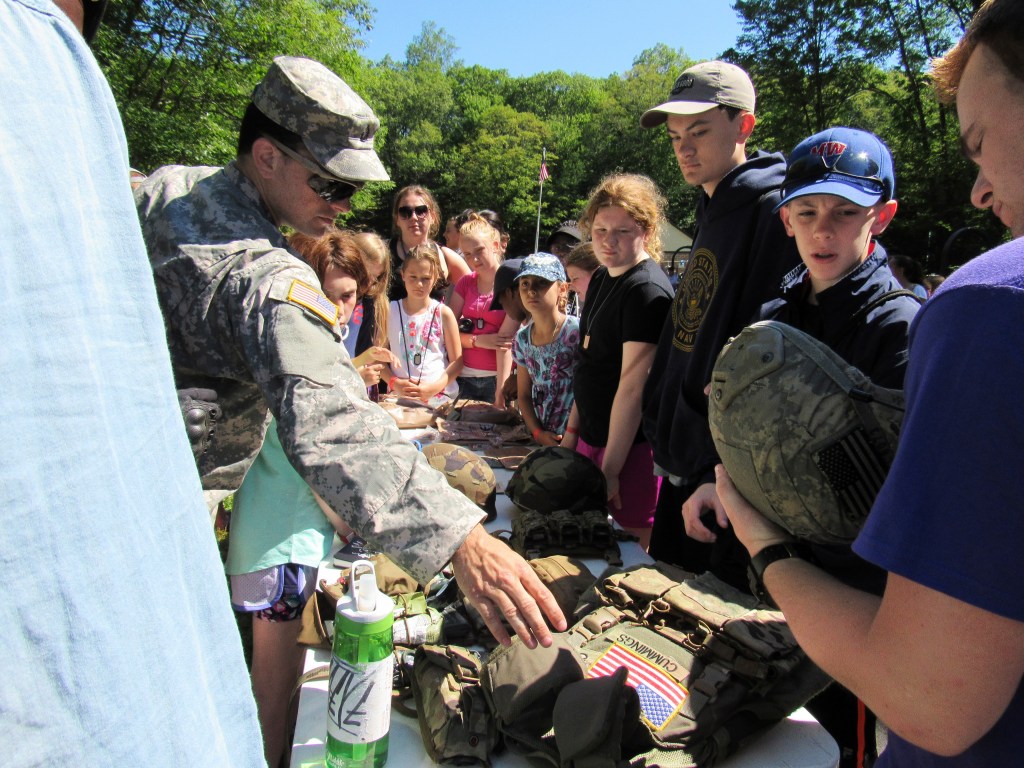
[740, 259]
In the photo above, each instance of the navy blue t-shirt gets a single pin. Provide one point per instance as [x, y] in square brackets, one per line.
[949, 515]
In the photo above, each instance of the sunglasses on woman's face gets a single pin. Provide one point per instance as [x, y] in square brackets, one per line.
[327, 188]
[407, 211]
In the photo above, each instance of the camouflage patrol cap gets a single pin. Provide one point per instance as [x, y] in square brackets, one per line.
[806, 437]
[465, 472]
[335, 124]
[553, 478]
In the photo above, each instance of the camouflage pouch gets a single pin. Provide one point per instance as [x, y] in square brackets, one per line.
[561, 532]
[455, 723]
[318, 615]
[567, 578]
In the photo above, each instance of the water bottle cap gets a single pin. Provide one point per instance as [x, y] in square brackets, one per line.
[364, 605]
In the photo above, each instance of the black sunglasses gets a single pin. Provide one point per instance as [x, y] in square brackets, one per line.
[407, 211]
[328, 189]
[854, 165]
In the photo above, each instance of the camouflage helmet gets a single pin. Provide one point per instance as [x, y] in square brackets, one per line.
[553, 478]
[335, 124]
[806, 437]
[465, 472]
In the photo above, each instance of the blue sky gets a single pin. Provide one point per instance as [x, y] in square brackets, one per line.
[595, 38]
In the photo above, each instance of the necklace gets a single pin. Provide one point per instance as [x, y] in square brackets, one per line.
[417, 357]
[554, 334]
[599, 305]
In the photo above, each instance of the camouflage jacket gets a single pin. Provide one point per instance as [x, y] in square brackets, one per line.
[247, 318]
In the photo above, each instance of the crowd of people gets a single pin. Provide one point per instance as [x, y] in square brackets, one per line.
[298, 335]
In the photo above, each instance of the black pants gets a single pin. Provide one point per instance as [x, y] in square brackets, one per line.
[726, 558]
[849, 722]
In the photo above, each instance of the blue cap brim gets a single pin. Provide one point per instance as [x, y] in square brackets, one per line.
[832, 185]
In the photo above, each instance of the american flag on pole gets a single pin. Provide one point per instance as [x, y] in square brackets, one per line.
[660, 695]
[544, 166]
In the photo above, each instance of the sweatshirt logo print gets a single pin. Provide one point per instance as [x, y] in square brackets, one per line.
[696, 290]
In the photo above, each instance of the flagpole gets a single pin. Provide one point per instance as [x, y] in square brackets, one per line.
[540, 199]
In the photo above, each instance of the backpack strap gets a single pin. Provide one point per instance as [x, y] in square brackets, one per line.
[861, 314]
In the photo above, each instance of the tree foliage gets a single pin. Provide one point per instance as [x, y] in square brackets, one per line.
[182, 71]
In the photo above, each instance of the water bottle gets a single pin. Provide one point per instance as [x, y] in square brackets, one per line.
[362, 673]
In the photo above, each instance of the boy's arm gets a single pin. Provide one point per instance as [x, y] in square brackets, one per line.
[903, 653]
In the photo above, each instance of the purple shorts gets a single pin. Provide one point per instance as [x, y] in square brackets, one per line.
[638, 486]
[278, 593]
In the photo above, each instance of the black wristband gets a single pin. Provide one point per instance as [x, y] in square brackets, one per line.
[769, 555]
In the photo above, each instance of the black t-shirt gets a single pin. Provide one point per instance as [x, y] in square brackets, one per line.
[630, 307]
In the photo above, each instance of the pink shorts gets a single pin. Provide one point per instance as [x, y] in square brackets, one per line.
[638, 485]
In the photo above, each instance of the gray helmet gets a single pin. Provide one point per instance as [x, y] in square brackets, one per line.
[553, 478]
[806, 437]
[466, 472]
[335, 124]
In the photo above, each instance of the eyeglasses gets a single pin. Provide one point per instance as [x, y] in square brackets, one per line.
[854, 165]
[407, 211]
[327, 188]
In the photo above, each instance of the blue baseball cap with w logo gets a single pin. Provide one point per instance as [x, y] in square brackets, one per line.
[846, 162]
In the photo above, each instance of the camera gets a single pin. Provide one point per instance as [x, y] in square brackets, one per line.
[466, 325]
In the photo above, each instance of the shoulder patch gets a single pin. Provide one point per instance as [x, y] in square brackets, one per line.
[309, 297]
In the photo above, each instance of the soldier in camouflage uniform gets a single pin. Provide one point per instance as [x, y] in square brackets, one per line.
[247, 318]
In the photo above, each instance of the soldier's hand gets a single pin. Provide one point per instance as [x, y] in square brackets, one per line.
[500, 584]
[200, 411]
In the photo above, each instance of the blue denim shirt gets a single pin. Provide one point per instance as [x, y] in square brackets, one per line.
[118, 643]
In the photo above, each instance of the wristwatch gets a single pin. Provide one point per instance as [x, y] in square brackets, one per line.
[770, 554]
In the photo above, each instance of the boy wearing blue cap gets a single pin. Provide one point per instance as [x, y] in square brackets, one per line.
[837, 197]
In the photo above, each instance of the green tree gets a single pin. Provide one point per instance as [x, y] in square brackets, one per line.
[864, 63]
[182, 70]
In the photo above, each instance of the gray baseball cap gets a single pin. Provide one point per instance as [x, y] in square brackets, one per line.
[703, 87]
[335, 124]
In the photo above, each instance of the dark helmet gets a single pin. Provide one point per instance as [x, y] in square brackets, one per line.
[554, 477]
[465, 472]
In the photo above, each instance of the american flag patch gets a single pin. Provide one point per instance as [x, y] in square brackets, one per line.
[660, 695]
[309, 297]
[854, 470]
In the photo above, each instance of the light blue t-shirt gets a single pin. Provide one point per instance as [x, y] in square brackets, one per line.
[118, 643]
[275, 519]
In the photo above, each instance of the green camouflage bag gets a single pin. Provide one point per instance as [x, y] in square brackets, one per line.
[677, 670]
[455, 724]
[806, 437]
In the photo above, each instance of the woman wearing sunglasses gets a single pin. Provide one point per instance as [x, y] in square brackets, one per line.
[417, 219]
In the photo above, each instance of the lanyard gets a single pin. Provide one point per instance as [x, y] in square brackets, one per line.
[417, 358]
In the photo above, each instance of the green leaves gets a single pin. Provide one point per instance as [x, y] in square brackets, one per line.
[182, 72]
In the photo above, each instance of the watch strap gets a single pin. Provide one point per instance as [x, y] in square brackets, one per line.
[770, 554]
